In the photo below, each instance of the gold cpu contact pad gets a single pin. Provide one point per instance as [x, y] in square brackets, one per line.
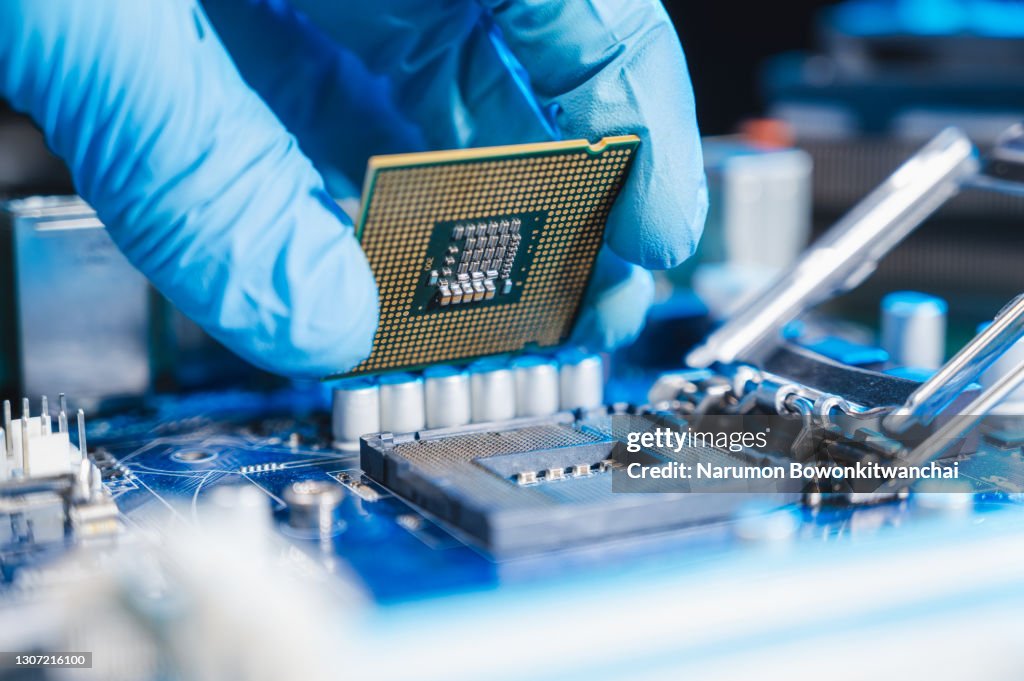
[541, 207]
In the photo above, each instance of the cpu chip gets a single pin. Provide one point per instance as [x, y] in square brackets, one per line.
[484, 251]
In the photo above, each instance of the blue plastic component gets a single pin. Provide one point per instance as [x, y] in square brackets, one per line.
[441, 371]
[912, 303]
[794, 330]
[396, 378]
[527, 361]
[911, 373]
[847, 352]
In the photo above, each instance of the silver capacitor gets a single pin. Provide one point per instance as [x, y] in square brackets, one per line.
[447, 397]
[581, 380]
[401, 404]
[914, 329]
[313, 505]
[492, 391]
[536, 386]
[355, 411]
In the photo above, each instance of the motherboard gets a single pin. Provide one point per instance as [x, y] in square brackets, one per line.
[574, 511]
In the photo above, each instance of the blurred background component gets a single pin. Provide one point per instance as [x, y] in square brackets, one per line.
[880, 79]
[80, 310]
[76, 317]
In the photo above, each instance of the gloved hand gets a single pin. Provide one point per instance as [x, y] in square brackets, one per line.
[189, 158]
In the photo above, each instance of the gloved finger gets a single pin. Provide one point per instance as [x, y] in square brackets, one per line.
[323, 93]
[613, 67]
[197, 181]
[619, 295]
[447, 69]
[351, 80]
[604, 66]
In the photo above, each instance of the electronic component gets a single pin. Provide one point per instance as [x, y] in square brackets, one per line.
[953, 379]
[446, 396]
[937, 419]
[484, 251]
[31, 449]
[446, 391]
[402, 409]
[536, 386]
[763, 213]
[313, 505]
[843, 257]
[914, 329]
[511, 454]
[355, 410]
[486, 262]
[759, 222]
[82, 319]
[49, 486]
[492, 391]
[538, 484]
[580, 380]
[70, 334]
[847, 352]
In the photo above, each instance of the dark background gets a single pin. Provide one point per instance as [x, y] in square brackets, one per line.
[725, 43]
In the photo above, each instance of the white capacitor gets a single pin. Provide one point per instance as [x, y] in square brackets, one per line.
[581, 380]
[1011, 359]
[536, 386]
[447, 397]
[914, 329]
[492, 390]
[401, 404]
[355, 411]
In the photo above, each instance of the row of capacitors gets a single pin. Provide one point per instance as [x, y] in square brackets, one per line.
[447, 396]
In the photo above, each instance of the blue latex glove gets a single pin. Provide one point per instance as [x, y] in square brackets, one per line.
[188, 154]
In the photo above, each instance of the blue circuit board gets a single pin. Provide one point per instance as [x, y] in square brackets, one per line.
[166, 456]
